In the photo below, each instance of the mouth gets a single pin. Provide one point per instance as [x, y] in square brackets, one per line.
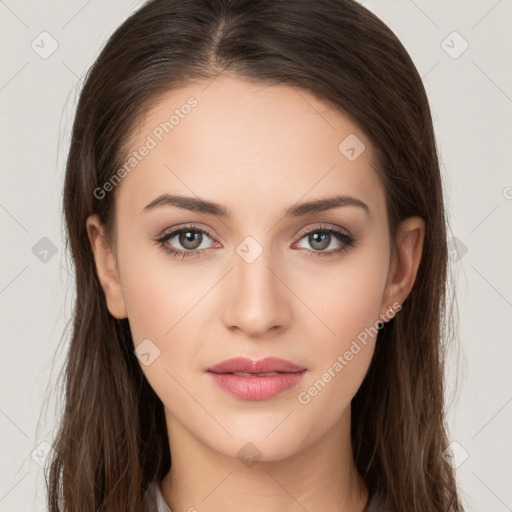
[256, 380]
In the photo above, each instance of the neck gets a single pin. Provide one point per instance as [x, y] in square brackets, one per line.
[321, 475]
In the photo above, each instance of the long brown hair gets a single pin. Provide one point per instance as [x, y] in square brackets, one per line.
[112, 441]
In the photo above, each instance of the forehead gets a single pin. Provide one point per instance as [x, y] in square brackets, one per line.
[248, 144]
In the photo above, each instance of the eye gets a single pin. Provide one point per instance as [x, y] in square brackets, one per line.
[322, 237]
[190, 238]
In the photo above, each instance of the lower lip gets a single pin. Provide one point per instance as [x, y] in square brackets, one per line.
[256, 388]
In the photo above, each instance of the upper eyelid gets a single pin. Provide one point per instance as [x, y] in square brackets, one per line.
[176, 230]
[322, 227]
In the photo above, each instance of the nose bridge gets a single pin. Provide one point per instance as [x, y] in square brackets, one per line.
[256, 299]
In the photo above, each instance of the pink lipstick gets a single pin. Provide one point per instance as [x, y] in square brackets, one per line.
[256, 380]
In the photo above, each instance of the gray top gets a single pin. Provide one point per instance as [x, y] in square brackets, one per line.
[158, 503]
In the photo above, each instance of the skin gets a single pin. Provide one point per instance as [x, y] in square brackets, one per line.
[256, 150]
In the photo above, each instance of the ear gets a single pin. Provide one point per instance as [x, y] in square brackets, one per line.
[405, 262]
[106, 267]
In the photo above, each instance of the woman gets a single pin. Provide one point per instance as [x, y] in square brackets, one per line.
[254, 207]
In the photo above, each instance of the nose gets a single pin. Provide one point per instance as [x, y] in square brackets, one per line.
[256, 297]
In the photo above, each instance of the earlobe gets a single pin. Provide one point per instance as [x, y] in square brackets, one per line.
[405, 262]
[106, 268]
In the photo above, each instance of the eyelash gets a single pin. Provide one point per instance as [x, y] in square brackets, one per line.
[347, 241]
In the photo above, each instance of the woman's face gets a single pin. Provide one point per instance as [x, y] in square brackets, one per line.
[255, 282]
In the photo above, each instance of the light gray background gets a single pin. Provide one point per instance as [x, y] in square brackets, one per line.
[471, 100]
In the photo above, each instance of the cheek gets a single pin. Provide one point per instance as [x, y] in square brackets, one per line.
[348, 304]
[160, 301]
[164, 307]
[158, 294]
[341, 360]
[346, 297]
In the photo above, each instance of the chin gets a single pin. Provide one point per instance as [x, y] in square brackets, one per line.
[252, 445]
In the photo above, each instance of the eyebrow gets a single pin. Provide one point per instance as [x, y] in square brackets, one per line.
[196, 204]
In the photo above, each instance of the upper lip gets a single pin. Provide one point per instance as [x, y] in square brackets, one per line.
[242, 364]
